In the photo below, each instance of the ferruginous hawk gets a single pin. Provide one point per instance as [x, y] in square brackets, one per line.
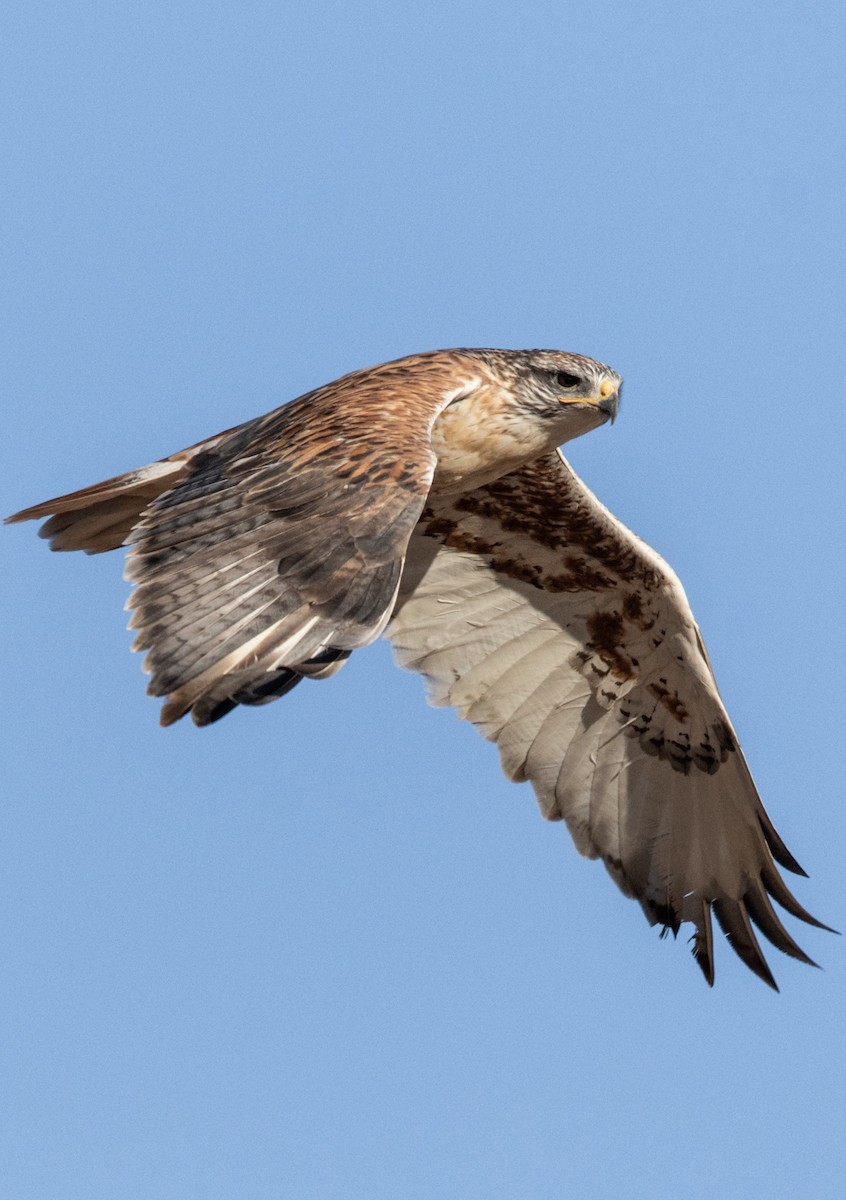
[426, 498]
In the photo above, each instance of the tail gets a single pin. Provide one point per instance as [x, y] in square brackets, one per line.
[101, 517]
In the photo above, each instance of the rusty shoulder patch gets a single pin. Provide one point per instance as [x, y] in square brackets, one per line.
[671, 701]
[544, 504]
[607, 634]
[540, 525]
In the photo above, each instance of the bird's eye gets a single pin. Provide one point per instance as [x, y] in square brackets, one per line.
[565, 380]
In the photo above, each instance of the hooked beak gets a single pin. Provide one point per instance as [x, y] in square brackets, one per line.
[609, 401]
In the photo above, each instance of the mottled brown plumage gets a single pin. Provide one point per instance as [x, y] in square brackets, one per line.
[428, 492]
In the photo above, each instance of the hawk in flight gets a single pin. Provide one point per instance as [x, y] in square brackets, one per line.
[426, 498]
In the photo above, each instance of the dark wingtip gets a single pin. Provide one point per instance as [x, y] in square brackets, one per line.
[780, 892]
[734, 921]
[702, 944]
[761, 911]
[777, 847]
[211, 711]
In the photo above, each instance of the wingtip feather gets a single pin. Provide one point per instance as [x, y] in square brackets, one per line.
[733, 919]
[702, 946]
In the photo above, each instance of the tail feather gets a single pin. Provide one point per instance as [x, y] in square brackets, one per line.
[101, 517]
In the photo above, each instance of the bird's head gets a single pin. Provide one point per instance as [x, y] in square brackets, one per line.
[508, 407]
[569, 392]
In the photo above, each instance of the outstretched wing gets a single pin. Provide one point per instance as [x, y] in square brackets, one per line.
[272, 551]
[570, 643]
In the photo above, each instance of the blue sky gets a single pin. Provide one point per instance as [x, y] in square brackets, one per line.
[323, 949]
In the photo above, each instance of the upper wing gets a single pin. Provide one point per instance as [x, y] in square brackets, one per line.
[570, 643]
[272, 551]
